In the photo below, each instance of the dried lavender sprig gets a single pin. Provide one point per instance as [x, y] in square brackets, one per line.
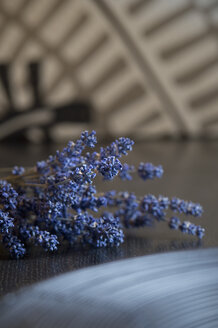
[189, 208]
[143, 211]
[50, 202]
[186, 227]
[6, 222]
[149, 171]
[60, 187]
[14, 245]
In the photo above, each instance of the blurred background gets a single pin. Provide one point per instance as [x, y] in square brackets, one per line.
[141, 68]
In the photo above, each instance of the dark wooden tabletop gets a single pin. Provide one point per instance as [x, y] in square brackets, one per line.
[191, 172]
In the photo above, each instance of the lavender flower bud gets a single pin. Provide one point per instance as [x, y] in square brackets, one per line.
[149, 171]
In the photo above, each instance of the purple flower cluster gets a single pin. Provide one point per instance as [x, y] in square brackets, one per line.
[149, 171]
[109, 167]
[144, 211]
[186, 227]
[18, 170]
[14, 245]
[34, 235]
[189, 208]
[103, 232]
[125, 173]
[6, 222]
[53, 202]
[8, 196]
[117, 148]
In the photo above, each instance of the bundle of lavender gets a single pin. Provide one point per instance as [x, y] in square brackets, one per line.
[53, 202]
